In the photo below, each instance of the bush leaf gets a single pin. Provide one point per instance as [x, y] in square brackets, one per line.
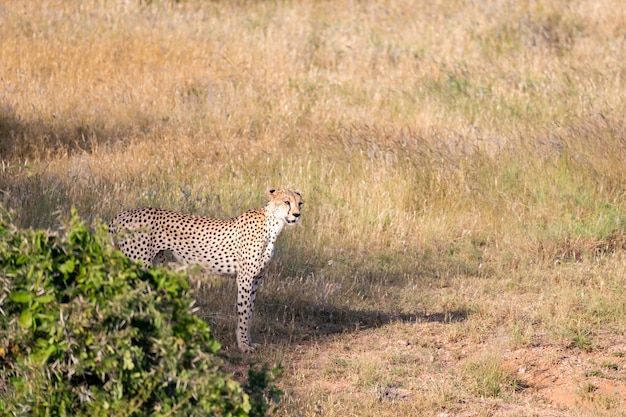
[44, 299]
[26, 319]
[67, 267]
[20, 297]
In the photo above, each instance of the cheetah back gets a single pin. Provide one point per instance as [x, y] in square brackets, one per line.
[221, 246]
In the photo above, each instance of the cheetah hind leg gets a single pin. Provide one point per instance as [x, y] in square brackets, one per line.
[163, 257]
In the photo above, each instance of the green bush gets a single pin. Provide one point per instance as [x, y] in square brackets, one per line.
[85, 331]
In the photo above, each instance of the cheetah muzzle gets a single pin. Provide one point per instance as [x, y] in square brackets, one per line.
[242, 246]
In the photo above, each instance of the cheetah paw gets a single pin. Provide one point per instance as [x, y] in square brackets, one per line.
[249, 348]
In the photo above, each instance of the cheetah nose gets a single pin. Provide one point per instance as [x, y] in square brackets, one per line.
[296, 215]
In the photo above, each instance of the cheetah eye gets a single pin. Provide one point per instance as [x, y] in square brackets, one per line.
[288, 203]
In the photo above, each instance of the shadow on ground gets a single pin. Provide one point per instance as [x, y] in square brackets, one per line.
[285, 322]
[311, 322]
[328, 320]
[23, 138]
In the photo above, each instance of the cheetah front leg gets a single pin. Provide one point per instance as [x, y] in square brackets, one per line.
[246, 293]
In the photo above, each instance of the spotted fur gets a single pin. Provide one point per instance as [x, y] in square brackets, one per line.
[242, 246]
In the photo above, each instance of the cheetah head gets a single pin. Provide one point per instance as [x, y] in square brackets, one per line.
[285, 205]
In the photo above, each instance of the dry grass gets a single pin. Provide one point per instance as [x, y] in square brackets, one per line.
[462, 166]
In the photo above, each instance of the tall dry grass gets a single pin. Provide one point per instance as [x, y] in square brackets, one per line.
[463, 161]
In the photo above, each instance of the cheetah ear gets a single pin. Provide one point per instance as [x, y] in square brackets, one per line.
[270, 190]
[298, 192]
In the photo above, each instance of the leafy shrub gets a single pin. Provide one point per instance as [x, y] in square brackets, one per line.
[85, 331]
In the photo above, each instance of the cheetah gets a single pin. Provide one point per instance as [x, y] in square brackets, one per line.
[242, 246]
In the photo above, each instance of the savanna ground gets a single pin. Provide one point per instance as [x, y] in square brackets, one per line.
[462, 246]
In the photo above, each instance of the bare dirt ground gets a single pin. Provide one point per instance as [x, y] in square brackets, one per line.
[554, 381]
[573, 379]
[396, 364]
[424, 364]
